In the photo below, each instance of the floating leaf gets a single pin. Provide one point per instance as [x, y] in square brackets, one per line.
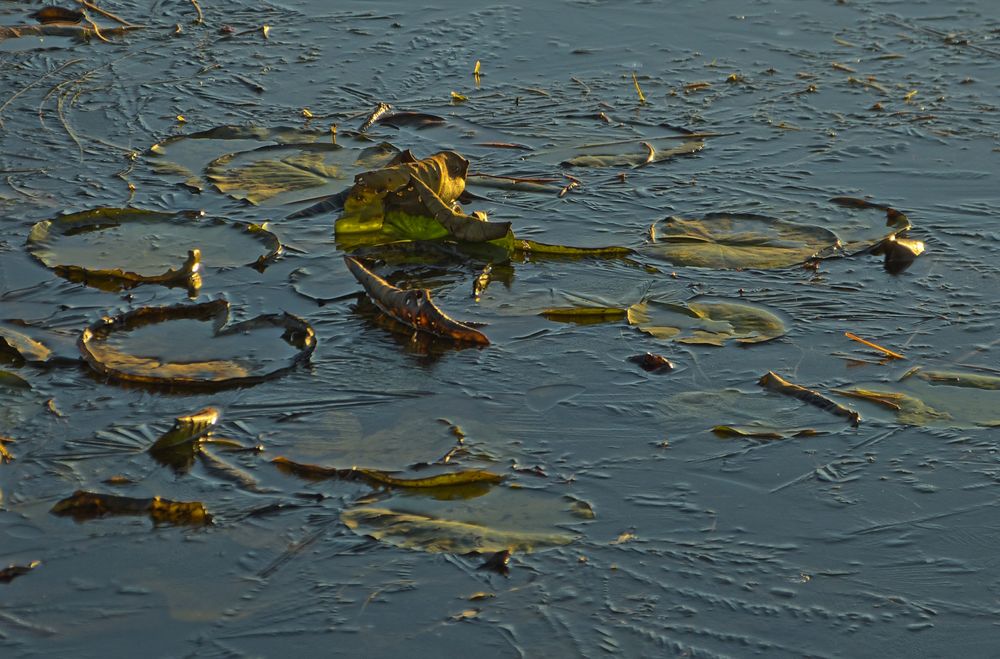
[17, 401]
[502, 519]
[706, 321]
[190, 346]
[774, 382]
[187, 430]
[413, 307]
[652, 363]
[57, 15]
[750, 411]
[959, 379]
[584, 315]
[762, 432]
[115, 248]
[729, 241]
[90, 505]
[909, 410]
[6, 457]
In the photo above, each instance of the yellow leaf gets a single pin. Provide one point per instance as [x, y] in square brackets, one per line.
[266, 31]
[638, 89]
[306, 113]
[458, 98]
[475, 71]
[181, 119]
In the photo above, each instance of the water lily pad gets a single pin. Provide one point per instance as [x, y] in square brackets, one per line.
[18, 347]
[941, 398]
[752, 412]
[707, 321]
[729, 241]
[267, 165]
[115, 248]
[283, 174]
[191, 346]
[503, 518]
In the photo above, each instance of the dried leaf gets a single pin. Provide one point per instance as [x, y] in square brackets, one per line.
[413, 307]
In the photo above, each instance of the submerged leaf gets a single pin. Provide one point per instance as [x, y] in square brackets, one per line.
[502, 519]
[190, 346]
[730, 241]
[706, 321]
[12, 572]
[90, 505]
[413, 307]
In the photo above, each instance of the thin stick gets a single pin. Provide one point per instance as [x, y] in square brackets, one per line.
[36, 82]
[874, 346]
[105, 14]
[197, 8]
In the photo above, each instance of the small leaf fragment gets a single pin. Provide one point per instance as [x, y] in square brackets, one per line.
[187, 430]
[12, 571]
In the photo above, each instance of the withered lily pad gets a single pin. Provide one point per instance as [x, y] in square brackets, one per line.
[707, 321]
[502, 519]
[191, 346]
[90, 505]
[942, 398]
[115, 248]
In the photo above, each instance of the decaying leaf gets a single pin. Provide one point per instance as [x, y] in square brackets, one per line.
[762, 432]
[900, 253]
[191, 346]
[117, 248]
[12, 572]
[774, 382]
[908, 409]
[413, 307]
[498, 562]
[380, 477]
[187, 430]
[652, 363]
[584, 315]
[6, 457]
[90, 505]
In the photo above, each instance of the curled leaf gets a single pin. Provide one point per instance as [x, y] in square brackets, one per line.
[12, 572]
[187, 430]
[413, 307]
[380, 477]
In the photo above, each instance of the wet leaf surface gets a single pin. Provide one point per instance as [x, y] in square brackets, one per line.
[192, 346]
[706, 321]
[502, 519]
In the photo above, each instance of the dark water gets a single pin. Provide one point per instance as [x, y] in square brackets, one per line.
[877, 540]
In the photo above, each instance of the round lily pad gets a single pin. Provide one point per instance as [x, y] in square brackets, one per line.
[503, 518]
[190, 345]
[711, 321]
[731, 241]
[115, 248]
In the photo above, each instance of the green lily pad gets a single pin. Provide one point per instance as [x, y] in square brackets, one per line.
[952, 399]
[503, 518]
[115, 248]
[730, 241]
[191, 346]
[707, 321]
